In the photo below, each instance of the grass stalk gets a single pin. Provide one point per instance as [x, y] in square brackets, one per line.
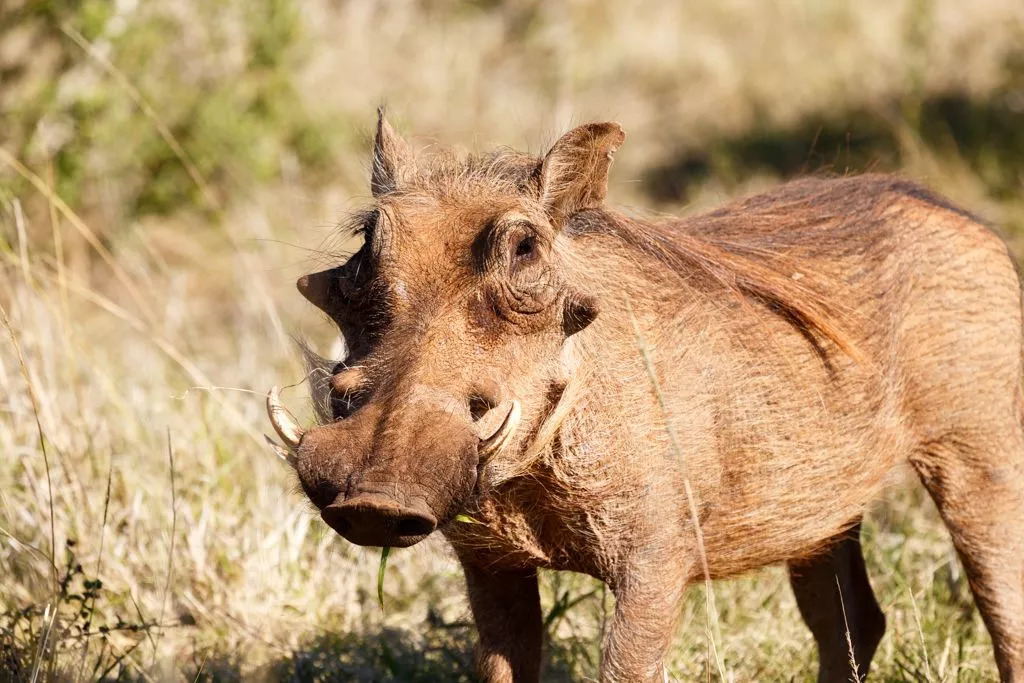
[714, 630]
[34, 399]
[170, 552]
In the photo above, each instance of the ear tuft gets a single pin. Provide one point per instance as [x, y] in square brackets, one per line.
[574, 174]
[390, 157]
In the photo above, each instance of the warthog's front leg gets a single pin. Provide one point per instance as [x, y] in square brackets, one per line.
[646, 609]
[506, 609]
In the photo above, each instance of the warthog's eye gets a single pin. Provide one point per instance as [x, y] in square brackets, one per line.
[343, 405]
[368, 224]
[527, 247]
[520, 285]
[523, 244]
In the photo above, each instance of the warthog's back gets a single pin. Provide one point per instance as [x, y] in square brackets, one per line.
[790, 414]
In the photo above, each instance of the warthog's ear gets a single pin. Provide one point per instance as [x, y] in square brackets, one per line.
[316, 287]
[574, 174]
[390, 156]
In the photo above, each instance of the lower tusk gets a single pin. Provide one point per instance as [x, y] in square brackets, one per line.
[494, 443]
[281, 452]
[284, 423]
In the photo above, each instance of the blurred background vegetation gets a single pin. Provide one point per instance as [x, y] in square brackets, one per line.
[276, 91]
[168, 168]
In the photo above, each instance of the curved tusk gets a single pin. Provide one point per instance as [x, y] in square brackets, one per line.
[495, 442]
[284, 423]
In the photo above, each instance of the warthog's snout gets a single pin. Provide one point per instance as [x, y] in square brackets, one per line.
[391, 474]
[379, 520]
[395, 471]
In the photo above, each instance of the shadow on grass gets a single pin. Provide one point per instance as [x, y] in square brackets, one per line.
[988, 134]
[388, 656]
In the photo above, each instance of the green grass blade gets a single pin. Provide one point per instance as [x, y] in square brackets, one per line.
[380, 575]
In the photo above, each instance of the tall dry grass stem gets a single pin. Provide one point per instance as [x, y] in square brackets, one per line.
[714, 630]
[83, 229]
[170, 552]
[854, 677]
[149, 112]
[34, 399]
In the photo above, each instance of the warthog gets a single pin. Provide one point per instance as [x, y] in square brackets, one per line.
[654, 402]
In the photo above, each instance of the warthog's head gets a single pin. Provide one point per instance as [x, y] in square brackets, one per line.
[456, 311]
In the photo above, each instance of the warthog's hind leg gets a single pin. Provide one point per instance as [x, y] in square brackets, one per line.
[978, 486]
[837, 603]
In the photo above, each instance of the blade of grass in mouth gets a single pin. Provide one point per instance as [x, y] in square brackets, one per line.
[380, 575]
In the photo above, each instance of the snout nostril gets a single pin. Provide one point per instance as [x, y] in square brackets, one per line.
[337, 519]
[341, 525]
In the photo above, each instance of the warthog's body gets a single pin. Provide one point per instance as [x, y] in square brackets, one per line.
[762, 369]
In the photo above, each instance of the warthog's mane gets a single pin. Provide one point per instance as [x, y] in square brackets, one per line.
[740, 250]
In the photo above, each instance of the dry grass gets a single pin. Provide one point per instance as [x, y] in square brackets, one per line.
[147, 350]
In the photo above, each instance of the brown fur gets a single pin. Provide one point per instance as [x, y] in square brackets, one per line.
[760, 370]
